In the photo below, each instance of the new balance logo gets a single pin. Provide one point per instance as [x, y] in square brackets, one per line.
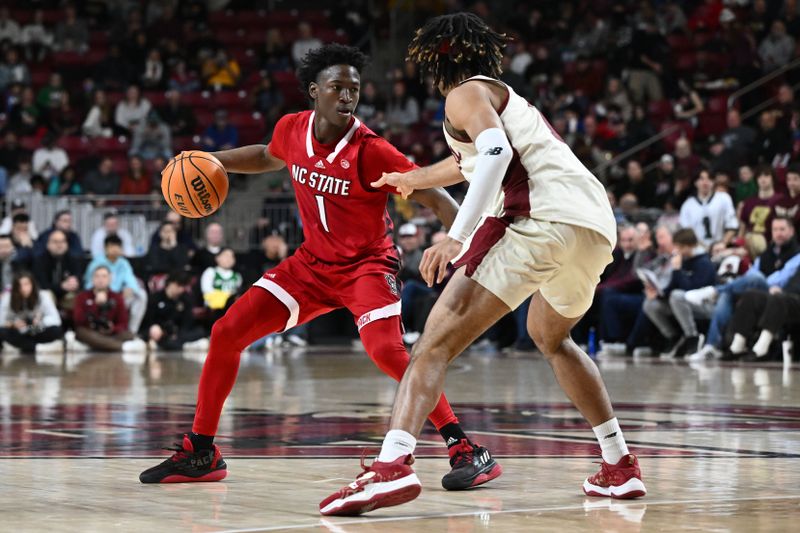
[497, 150]
[320, 164]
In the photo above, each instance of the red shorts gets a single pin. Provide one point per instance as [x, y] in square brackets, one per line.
[308, 287]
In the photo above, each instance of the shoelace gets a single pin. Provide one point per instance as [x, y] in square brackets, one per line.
[463, 457]
[180, 451]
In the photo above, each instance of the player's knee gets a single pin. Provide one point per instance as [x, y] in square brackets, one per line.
[224, 334]
[389, 356]
[549, 343]
[432, 352]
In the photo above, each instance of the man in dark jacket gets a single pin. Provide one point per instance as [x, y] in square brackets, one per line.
[692, 269]
[59, 272]
[63, 222]
[169, 321]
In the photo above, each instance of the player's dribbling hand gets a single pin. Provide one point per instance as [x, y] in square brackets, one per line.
[398, 180]
[435, 259]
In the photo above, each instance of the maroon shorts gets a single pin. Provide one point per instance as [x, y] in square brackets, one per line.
[368, 288]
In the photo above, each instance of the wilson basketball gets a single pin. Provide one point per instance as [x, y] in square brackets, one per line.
[194, 184]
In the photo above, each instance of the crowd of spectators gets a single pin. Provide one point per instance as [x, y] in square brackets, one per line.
[97, 95]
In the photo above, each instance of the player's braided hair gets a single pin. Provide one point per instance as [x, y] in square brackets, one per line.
[453, 47]
[318, 59]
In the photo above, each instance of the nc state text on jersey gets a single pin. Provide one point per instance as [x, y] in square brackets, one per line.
[320, 182]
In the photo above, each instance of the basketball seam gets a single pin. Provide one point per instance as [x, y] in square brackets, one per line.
[210, 182]
[211, 161]
[188, 192]
[169, 182]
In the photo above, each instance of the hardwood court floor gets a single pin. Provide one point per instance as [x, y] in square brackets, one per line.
[719, 445]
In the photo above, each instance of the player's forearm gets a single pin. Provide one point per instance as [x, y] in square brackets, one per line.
[441, 203]
[252, 159]
[441, 174]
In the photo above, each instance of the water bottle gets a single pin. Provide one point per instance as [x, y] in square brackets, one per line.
[592, 343]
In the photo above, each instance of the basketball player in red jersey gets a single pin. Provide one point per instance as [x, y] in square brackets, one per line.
[534, 222]
[347, 260]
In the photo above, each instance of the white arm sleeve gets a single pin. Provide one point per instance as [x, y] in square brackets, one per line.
[494, 156]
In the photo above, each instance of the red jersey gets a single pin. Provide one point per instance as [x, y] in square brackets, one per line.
[344, 219]
[789, 206]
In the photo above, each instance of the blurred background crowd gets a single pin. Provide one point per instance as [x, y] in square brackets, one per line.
[685, 110]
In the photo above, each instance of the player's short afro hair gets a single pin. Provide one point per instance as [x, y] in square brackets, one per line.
[318, 59]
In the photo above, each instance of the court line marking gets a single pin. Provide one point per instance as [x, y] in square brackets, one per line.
[366, 521]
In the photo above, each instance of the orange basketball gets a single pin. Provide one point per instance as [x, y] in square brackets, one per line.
[194, 184]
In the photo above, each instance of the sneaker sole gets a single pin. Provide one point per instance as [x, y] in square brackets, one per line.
[483, 477]
[375, 496]
[633, 488]
[216, 475]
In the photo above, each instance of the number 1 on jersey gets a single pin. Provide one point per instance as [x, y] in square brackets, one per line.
[323, 217]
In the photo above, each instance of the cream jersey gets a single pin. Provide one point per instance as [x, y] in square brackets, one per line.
[544, 180]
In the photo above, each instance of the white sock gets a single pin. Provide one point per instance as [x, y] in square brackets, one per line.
[761, 347]
[612, 443]
[397, 443]
[739, 344]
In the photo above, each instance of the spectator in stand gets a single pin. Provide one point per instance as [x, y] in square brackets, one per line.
[180, 118]
[72, 33]
[414, 287]
[685, 159]
[22, 238]
[131, 110]
[372, 107]
[114, 72]
[692, 269]
[49, 159]
[766, 313]
[99, 121]
[12, 71]
[774, 267]
[647, 63]
[709, 214]
[274, 56]
[153, 76]
[136, 181]
[64, 184]
[25, 117]
[220, 284]
[9, 29]
[18, 207]
[169, 322]
[36, 38]
[221, 135]
[755, 214]
[29, 320]
[273, 250]
[304, 43]
[182, 79]
[735, 144]
[58, 271]
[111, 227]
[402, 110]
[168, 255]
[221, 72]
[788, 205]
[774, 142]
[102, 180]
[122, 279]
[268, 100]
[205, 257]
[184, 236]
[62, 221]
[746, 186]
[777, 48]
[101, 318]
[635, 183]
[151, 139]
[8, 262]
[49, 96]
[20, 182]
[663, 180]
[64, 120]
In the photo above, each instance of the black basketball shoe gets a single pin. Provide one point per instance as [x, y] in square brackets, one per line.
[187, 466]
[472, 466]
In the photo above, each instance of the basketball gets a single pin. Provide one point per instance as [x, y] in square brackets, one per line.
[194, 184]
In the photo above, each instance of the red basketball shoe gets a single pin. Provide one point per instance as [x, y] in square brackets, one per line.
[622, 480]
[379, 485]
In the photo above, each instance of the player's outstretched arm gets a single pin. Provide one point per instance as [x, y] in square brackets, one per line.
[440, 202]
[252, 159]
[441, 174]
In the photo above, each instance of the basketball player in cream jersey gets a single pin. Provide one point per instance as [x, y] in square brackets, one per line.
[534, 222]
